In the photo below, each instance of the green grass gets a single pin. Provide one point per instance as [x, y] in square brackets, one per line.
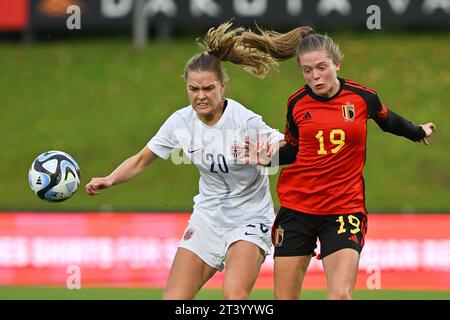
[101, 101]
[46, 293]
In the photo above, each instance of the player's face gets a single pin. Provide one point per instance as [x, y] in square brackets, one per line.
[320, 72]
[205, 94]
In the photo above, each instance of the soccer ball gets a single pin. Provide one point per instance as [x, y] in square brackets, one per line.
[54, 176]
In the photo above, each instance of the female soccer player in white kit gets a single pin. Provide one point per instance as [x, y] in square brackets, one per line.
[233, 212]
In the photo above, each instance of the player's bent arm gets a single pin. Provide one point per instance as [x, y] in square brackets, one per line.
[286, 154]
[398, 125]
[127, 170]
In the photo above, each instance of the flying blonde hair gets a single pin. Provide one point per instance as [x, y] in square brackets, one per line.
[283, 46]
[224, 44]
[280, 46]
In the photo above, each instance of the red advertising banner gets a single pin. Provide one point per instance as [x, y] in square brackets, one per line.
[410, 252]
[13, 15]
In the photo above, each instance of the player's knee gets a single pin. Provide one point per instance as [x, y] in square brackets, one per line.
[340, 294]
[236, 294]
[177, 295]
[286, 296]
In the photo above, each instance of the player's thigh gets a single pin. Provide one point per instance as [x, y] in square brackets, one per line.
[242, 264]
[294, 233]
[341, 269]
[289, 273]
[187, 275]
[342, 239]
[341, 232]
[294, 236]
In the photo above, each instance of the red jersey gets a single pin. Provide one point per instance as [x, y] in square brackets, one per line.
[327, 176]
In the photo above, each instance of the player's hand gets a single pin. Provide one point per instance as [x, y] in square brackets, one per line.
[258, 152]
[429, 128]
[97, 184]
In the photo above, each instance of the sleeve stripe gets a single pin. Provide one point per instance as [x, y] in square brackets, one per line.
[291, 130]
[296, 94]
[359, 86]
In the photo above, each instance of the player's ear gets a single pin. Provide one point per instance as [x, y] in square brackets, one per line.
[338, 66]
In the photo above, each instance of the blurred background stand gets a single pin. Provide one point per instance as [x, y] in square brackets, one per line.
[140, 25]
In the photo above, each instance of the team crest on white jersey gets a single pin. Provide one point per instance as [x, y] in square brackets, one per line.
[188, 234]
[348, 111]
[236, 150]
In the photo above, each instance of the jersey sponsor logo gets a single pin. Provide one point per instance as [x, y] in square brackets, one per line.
[193, 150]
[353, 238]
[278, 237]
[348, 111]
[236, 150]
[188, 234]
[307, 115]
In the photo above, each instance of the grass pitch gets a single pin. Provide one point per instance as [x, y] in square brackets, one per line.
[49, 293]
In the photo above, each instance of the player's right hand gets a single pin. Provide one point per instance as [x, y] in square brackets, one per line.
[258, 152]
[97, 184]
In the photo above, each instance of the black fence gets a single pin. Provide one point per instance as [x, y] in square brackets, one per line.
[97, 15]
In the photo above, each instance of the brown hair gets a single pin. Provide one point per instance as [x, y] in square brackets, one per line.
[224, 44]
[280, 46]
[283, 46]
[316, 42]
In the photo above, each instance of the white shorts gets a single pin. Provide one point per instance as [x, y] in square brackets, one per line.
[211, 242]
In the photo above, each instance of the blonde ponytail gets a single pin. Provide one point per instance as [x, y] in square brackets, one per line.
[224, 44]
[280, 46]
[283, 46]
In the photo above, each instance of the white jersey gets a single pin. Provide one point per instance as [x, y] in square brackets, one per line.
[230, 192]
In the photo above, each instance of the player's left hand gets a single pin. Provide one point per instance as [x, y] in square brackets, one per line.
[429, 128]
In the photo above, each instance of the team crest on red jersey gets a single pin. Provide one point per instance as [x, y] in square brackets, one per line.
[348, 111]
[188, 234]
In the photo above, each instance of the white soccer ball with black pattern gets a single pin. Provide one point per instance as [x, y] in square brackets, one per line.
[54, 176]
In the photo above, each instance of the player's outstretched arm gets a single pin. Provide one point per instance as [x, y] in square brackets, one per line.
[429, 128]
[127, 170]
[394, 123]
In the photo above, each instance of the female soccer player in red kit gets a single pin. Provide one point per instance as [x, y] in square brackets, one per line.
[322, 192]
